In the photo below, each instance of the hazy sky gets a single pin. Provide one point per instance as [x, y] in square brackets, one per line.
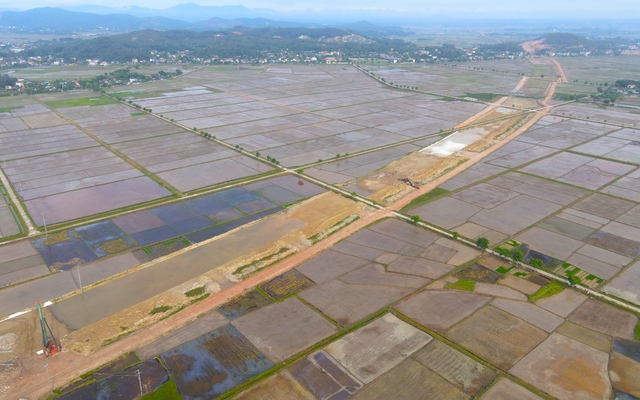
[482, 8]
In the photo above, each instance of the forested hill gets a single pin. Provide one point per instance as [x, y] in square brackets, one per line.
[239, 42]
[571, 43]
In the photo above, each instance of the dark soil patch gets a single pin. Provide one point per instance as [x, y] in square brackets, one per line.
[244, 304]
[627, 348]
[286, 284]
[479, 273]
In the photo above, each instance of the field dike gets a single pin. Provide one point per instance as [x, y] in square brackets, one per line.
[317, 215]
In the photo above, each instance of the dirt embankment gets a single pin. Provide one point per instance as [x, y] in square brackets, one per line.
[317, 216]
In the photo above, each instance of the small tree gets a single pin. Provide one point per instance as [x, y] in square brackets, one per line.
[517, 255]
[536, 262]
[415, 218]
[574, 280]
[455, 235]
[482, 242]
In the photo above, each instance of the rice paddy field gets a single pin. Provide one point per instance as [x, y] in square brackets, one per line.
[290, 116]
[566, 191]
[394, 310]
[146, 235]
[416, 332]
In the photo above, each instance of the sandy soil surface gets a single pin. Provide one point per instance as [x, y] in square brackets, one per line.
[534, 45]
[66, 366]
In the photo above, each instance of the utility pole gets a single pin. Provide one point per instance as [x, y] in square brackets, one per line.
[140, 382]
[79, 279]
[46, 367]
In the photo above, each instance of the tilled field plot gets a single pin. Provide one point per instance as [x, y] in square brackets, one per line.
[297, 120]
[377, 347]
[324, 377]
[507, 390]
[8, 224]
[124, 384]
[627, 284]
[440, 310]
[497, 336]
[494, 204]
[64, 250]
[627, 187]
[24, 142]
[578, 170]
[94, 200]
[564, 133]
[283, 329]
[210, 215]
[449, 81]
[281, 386]
[65, 182]
[617, 115]
[188, 161]
[346, 170]
[20, 262]
[577, 369]
[244, 304]
[455, 367]
[214, 363]
[605, 318]
[105, 238]
[372, 269]
[410, 380]
[290, 282]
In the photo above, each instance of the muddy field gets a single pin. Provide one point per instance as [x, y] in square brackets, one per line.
[296, 120]
[214, 363]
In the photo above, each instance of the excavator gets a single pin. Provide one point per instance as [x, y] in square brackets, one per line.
[408, 182]
[51, 346]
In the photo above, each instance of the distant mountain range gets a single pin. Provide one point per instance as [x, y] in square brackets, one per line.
[189, 12]
[188, 16]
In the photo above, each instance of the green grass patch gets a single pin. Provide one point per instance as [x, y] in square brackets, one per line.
[512, 243]
[83, 101]
[520, 274]
[160, 309]
[199, 291]
[204, 296]
[573, 271]
[168, 391]
[554, 287]
[9, 109]
[138, 114]
[590, 277]
[425, 198]
[462, 284]
[600, 280]
[566, 265]
[637, 332]
[483, 96]
[502, 270]
[502, 251]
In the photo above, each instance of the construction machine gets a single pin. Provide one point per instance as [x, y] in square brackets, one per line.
[51, 346]
[408, 182]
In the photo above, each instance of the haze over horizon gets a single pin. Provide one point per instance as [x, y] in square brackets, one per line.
[499, 9]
